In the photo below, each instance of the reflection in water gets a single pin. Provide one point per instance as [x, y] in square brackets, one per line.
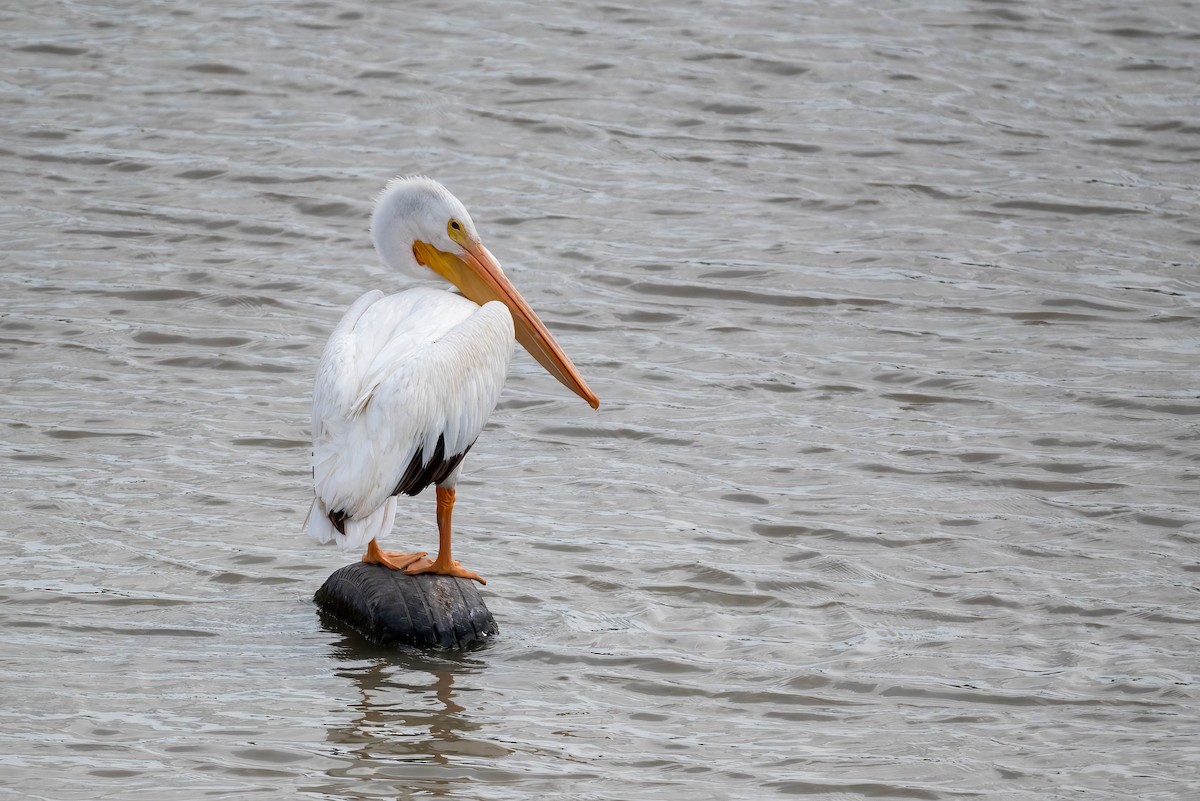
[408, 725]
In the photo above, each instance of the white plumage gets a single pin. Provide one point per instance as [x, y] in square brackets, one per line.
[398, 373]
[407, 381]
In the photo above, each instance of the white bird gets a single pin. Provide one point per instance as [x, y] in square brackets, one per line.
[407, 381]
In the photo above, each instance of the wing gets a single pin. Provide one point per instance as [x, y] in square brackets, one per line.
[402, 375]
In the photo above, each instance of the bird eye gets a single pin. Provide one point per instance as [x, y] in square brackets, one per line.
[455, 225]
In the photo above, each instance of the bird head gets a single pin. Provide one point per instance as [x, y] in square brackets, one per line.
[422, 230]
[416, 209]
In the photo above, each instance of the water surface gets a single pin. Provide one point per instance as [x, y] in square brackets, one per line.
[892, 310]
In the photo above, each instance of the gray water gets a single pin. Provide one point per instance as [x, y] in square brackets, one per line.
[892, 309]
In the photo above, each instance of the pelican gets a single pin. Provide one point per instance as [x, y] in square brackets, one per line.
[407, 381]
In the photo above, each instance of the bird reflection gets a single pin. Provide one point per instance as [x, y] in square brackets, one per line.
[408, 723]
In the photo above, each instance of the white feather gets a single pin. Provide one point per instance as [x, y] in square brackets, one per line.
[397, 373]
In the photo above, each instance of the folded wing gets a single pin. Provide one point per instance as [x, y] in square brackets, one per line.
[405, 385]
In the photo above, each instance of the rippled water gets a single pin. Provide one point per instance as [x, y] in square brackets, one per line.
[892, 309]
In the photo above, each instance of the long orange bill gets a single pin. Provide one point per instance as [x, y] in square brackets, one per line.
[477, 273]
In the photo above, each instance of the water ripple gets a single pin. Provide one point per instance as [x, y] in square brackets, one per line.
[892, 312]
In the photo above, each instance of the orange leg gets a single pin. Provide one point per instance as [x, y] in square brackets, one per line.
[444, 564]
[396, 560]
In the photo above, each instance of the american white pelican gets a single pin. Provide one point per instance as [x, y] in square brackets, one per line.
[407, 381]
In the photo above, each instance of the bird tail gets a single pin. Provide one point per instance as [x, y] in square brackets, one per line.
[317, 523]
[355, 534]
